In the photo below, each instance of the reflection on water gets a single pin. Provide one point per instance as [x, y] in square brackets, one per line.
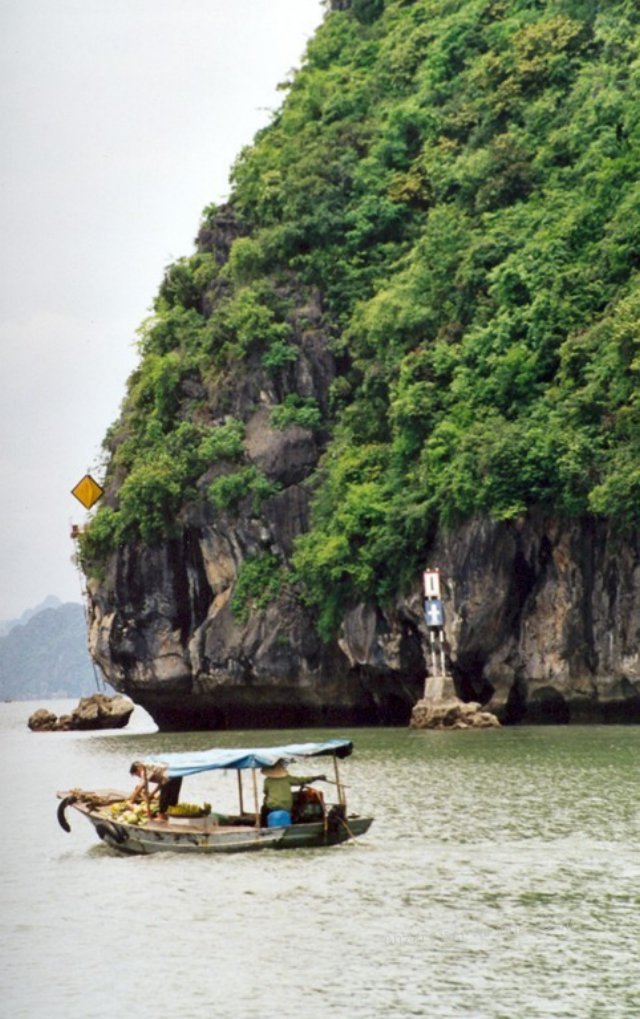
[500, 880]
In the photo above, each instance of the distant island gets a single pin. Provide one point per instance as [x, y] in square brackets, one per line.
[44, 653]
[50, 602]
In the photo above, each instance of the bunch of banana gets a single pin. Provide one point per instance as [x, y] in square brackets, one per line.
[189, 810]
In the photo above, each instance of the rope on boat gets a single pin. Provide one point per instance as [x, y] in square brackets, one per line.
[93, 800]
[89, 799]
[349, 832]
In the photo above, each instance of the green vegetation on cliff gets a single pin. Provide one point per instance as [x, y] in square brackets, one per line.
[460, 182]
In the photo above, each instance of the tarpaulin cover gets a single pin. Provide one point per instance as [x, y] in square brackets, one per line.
[180, 765]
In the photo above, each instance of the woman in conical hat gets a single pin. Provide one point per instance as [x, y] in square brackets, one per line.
[277, 770]
[277, 787]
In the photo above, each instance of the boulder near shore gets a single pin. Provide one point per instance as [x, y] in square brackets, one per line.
[452, 714]
[95, 712]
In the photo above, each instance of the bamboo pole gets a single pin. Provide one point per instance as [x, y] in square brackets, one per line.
[341, 796]
[255, 796]
[240, 799]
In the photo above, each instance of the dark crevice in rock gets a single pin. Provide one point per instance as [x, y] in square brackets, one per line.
[470, 681]
[547, 706]
[515, 708]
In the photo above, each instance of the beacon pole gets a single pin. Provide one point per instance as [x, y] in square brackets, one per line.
[434, 618]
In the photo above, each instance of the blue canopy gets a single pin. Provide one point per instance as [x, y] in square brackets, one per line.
[180, 765]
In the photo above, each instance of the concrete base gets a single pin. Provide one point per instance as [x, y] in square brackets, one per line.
[439, 688]
[441, 708]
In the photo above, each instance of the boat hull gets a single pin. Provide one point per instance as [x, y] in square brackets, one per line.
[300, 835]
[204, 837]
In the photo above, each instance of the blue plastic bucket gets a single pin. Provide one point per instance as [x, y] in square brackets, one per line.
[276, 818]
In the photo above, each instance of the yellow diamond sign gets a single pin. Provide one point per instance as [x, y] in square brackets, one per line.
[88, 491]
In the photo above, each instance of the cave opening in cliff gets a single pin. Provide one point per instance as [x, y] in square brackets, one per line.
[395, 710]
[469, 679]
[187, 717]
[547, 706]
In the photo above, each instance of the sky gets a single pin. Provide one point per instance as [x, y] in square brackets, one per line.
[119, 123]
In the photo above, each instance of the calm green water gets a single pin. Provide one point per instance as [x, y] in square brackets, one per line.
[501, 880]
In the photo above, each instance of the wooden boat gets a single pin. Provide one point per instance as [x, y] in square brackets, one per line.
[313, 823]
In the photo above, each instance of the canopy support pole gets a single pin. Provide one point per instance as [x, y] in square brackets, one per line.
[240, 799]
[341, 796]
[255, 796]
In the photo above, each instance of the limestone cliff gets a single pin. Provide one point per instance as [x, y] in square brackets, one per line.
[409, 339]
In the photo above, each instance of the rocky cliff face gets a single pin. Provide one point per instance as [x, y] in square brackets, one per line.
[542, 623]
[544, 618]
[163, 631]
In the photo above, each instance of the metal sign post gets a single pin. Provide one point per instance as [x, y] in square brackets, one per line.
[434, 618]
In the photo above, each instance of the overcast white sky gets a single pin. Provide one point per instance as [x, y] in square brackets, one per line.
[120, 120]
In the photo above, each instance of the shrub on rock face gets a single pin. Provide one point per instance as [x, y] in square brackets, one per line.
[259, 582]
